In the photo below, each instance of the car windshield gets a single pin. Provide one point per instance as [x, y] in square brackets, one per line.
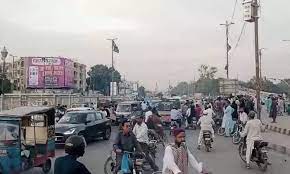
[123, 108]
[8, 131]
[73, 118]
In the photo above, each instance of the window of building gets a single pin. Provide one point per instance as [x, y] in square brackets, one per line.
[22, 72]
[22, 63]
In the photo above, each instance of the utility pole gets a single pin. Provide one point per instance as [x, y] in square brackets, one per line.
[260, 54]
[251, 15]
[257, 60]
[113, 69]
[227, 24]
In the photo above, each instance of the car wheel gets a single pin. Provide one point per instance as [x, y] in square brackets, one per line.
[107, 134]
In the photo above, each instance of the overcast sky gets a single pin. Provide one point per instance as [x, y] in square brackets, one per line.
[159, 40]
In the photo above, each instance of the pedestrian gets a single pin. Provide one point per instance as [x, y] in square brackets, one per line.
[235, 115]
[190, 114]
[148, 113]
[198, 111]
[227, 120]
[273, 113]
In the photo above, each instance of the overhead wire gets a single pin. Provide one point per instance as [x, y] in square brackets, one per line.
[234, 11]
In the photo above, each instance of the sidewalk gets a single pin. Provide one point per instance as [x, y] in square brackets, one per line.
[277, 134]
[282, 126]
[277, 142]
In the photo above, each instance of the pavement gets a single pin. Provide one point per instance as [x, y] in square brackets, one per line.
[224, 158]
[277, 134]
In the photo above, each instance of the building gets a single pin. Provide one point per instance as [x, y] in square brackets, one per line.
[128, 88]
[49, 73]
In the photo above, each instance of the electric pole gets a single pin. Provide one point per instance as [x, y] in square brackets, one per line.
[228, 47]
[251, 15]
[258, 81]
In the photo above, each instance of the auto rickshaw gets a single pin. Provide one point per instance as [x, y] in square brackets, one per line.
[27, 139]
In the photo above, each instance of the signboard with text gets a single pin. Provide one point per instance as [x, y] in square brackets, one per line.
[49, 72]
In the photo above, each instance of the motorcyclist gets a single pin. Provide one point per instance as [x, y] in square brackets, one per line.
[177, 157]
[206, 123]
[253, 131]
[175, 115]
[125, 141]
[140, 130]
[154, 123]
[75, 148]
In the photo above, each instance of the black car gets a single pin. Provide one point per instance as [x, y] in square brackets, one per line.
[90, 124]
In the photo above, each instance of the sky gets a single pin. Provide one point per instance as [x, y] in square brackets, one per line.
[160, 41]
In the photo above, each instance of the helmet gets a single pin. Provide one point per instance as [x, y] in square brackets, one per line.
[75, 145]
[252, 115]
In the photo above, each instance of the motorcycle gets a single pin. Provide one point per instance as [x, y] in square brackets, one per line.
[259, 153]
[236, 139]
[154, 136]
[136, 159]
[207, 140]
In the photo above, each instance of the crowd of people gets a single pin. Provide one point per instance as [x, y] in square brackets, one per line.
[177, 157]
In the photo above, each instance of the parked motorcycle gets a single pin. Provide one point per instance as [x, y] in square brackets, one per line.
[136, 159]
[259, 154]
[207, 139]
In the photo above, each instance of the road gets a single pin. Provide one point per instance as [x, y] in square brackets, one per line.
[223, 159]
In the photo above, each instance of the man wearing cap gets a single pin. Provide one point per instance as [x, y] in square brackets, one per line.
[177, 157]
[140, 130]
[206, 122]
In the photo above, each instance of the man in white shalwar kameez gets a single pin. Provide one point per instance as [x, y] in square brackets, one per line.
[253, 131]
[177, 157]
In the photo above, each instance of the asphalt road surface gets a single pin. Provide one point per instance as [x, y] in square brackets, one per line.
[223, 159]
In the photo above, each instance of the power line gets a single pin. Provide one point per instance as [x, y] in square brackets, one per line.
[240, 36]
[234, 11]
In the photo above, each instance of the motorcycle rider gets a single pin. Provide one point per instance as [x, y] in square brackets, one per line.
[206, 123]
[140, 130]
[154, 123]
[177, 157]
[75, 148]
[125, 141]
[175, 115]
[253, 131]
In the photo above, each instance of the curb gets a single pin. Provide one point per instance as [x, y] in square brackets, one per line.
[279, 148]
[278, 129]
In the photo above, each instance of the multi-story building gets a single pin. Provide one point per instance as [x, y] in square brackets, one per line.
[56, 73]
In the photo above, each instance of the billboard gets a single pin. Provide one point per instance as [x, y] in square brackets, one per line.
[49, 72]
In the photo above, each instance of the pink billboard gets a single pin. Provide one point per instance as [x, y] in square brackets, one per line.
[49, 72]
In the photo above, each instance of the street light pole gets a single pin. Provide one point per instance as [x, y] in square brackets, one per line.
[227, 24]
[4, 54]
[12, 78]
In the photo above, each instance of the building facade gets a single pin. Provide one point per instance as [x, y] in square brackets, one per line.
[49, 73]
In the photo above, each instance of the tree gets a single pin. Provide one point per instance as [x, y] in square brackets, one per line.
[100, 77]
[207, 72]
[141, 92]
[6, 87]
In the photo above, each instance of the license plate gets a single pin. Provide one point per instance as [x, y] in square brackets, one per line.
[207, 139]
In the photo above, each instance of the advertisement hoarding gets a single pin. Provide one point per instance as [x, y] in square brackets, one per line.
[49, 72]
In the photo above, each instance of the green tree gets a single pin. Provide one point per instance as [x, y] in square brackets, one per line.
[207, 72]
[6, 86]
[100, 77]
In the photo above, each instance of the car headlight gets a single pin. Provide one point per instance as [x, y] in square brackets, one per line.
[70, 131]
